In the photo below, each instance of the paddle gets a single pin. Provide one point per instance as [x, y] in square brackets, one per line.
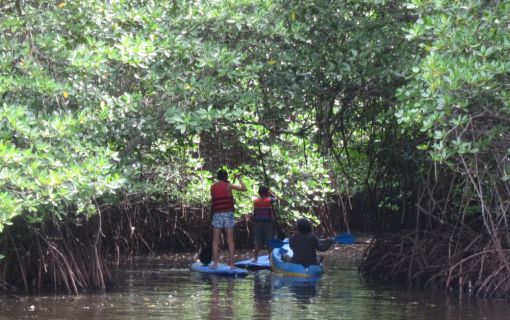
[279, 231]
[276, 243]
[345, 238]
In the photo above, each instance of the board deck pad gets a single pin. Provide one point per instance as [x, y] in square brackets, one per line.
[262, 263]
[221, 270]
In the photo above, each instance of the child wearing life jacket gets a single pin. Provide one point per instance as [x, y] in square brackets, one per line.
[263, 218]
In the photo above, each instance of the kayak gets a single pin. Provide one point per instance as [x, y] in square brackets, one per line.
[262, 263]
[221, 270]
[292, 269]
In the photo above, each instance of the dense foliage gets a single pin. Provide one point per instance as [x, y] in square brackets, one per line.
[458, 96]
[107, 101]
[99, 96]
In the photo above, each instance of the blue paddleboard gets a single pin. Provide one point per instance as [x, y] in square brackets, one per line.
[221, 270]
[262, 263]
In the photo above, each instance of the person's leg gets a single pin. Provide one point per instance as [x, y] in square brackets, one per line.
[268, 235]
[215, 243]
[256, 241]
[231, 245]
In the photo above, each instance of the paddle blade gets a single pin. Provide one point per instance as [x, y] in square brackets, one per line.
[205, 255]
[275, 243]
[344, 238]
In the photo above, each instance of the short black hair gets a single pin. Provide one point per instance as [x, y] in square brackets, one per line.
[222, 174]
[304, 225]
[263, 190]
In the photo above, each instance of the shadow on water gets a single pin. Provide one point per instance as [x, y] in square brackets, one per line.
[166, 293]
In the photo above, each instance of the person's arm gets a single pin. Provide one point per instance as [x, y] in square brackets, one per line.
[324, 244]
[292, 241]
[272, 196]
[238, 187]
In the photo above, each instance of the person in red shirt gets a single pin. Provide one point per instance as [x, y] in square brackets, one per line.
[222, 209]
[263, 218]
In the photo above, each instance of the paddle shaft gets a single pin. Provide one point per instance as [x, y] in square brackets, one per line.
[339, 239]
[261, 157]
[279, 231]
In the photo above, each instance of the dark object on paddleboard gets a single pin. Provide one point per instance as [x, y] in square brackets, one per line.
[220, 270]
[205, 255]
[261, 264]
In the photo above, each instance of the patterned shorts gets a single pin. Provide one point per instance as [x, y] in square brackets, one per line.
[223, 220]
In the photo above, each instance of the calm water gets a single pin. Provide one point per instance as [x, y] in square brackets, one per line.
[156, 292]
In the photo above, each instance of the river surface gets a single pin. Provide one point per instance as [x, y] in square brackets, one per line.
[155, 291]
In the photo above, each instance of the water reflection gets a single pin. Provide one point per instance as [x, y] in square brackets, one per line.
[304, 292]
[262, 295]
[181, 294]
[222, 295]
[302, 289]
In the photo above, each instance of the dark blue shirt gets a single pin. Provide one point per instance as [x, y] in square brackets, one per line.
[304, 246]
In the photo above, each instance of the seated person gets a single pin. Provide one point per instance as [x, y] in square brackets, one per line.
[304, 244]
